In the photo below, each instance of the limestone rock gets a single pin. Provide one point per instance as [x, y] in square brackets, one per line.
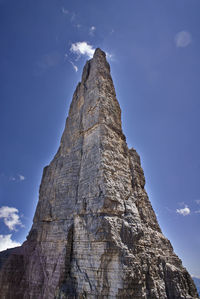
[94, 233]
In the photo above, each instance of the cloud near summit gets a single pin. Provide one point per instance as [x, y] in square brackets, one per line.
[82, 48]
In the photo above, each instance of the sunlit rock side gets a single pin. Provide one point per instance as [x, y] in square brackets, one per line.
[94, 233]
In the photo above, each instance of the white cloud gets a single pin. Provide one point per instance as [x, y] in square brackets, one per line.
[197, 212]
[10, 217]
[21, 177]
[92, 30]
[6, 242]
[74, 66]
[184, 212]
[183, 39]
[82, 48]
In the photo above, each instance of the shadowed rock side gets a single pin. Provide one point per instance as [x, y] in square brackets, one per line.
[94, 233]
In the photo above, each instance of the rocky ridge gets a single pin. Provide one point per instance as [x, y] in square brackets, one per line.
[94, 233]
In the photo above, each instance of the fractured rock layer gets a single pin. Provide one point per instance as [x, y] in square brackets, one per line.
[94, 233]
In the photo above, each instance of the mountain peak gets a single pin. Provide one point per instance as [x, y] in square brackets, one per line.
[99, 52]
[94, 234]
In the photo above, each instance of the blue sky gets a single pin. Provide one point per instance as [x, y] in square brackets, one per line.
[153, 48]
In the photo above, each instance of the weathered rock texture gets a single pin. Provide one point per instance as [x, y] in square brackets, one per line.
[94, 233]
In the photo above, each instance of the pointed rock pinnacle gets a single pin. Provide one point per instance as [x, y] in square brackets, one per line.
[94, 233]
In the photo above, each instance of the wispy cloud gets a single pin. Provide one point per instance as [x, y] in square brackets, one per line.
[183, 39]
[21, 177]
[70, 14]
[74, 66]
[92, 30]
[64, 11]
[66, 58]
[78, 26]
[17, 178]
[6, 242]
[73, 17]
[184, 211]
[197, 201]
[110, 56]
[12, 178]
[82, 48]
[10, 217]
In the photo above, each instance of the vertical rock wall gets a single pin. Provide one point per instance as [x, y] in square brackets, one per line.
[94, 233]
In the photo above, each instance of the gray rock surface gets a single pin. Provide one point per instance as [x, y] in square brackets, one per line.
[94, 233]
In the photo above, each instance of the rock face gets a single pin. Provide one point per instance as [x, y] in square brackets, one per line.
[94, 233]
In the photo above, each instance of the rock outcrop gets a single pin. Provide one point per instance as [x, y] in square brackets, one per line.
[94, 233]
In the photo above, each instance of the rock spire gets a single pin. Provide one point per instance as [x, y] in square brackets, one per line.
[94, 233]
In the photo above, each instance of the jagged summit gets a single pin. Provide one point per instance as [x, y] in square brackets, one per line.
[99, 54]
[94, 233]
